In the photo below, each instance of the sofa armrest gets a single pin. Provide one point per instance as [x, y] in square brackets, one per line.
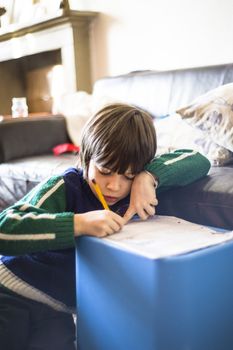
[24, 137]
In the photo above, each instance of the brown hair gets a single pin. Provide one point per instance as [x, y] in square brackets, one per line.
[118, 136]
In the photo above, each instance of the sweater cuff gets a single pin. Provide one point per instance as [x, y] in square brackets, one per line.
[64, 230]
[154, 177]
[158, 170]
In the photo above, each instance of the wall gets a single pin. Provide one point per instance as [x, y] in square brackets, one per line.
[154, 34]
[158, 34]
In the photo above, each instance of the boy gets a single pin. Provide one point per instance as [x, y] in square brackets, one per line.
[37, 291]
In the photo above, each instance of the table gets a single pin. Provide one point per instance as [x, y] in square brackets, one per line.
[126, 301]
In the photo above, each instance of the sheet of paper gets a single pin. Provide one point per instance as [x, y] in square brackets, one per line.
[164, 236]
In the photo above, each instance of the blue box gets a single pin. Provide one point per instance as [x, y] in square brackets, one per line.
[126, 301]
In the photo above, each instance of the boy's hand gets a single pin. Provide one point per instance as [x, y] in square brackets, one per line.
[99, 223]
[142, 198]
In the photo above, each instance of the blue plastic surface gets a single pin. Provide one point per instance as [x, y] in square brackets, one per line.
[130, 302]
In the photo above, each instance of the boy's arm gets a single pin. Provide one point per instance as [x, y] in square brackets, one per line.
[38, 222]
[178, 168]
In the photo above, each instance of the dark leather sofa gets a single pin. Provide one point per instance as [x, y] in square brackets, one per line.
[208, 201]
[26, 154]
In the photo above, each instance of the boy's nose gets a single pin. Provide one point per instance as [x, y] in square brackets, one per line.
[114, 183]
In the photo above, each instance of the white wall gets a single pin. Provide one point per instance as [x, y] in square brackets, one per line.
[158, 34]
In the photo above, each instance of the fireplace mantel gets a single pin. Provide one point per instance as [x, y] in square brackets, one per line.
[75, 18]
[68, 32]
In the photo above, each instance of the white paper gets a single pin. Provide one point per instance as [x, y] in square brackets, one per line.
[164, 236]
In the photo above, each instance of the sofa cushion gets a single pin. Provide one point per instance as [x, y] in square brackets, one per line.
[24, 137]
[19, 176]
[208, 201]
[162, 93]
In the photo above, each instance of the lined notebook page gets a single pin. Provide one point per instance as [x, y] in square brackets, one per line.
[163, 236]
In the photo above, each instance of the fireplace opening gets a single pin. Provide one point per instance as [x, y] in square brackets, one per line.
[46, 60]
[36, 77]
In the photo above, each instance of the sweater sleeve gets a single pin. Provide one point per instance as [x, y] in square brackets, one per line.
[178, 168]
[38, 222]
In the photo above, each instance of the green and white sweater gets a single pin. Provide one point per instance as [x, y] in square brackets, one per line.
[40, 220]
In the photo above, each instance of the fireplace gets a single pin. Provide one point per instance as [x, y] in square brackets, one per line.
[45, 60]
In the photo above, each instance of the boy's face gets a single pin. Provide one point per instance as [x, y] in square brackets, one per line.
[114, 186]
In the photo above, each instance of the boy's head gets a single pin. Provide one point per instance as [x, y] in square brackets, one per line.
[118, 137]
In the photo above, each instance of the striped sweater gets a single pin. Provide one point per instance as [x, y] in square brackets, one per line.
[38, 231]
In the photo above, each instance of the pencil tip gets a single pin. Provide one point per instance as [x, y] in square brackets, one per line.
[94, 182]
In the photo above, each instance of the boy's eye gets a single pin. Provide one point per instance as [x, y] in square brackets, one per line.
[104, 171]
[129, 176]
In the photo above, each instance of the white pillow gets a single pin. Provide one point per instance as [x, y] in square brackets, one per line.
[213, 114]
[77, 108]
[175, 133]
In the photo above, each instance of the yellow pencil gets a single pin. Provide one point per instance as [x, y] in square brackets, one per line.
[100, 196]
